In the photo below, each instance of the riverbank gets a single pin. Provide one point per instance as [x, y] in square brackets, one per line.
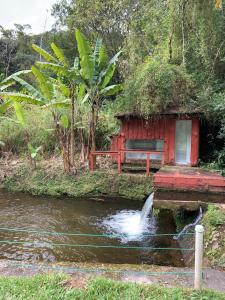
[49, 179]
[16, 175]
[214, 224]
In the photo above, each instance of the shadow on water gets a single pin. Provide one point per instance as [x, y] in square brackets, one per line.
[81, 216]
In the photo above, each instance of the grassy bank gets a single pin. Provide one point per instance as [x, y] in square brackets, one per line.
[58, 287]
[214, 223]
[52, 181]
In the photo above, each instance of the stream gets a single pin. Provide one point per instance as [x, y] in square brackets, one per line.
[35, 217]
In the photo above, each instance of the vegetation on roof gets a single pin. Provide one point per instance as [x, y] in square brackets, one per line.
[159, 87]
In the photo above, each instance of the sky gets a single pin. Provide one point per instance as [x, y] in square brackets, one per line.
[22, 12]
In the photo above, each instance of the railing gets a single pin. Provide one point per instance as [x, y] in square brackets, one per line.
[119, 154]
[199, 247]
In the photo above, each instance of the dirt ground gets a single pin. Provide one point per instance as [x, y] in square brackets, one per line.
[81, 273]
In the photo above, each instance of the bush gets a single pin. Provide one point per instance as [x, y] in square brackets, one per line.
[39, 128]
[157, 86]
[107, 126]
[214, 217]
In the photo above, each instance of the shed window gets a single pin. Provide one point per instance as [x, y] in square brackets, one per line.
[154, 145]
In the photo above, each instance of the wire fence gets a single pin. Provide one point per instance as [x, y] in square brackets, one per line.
[198, 250]
[28, 230]
[99, 270]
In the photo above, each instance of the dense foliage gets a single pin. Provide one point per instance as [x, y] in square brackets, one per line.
[157, 86]
[66, 89]
[173, 56]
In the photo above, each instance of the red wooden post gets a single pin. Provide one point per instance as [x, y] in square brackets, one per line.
[91, 162]
[119, 162]
[147, 164]
[121, 146]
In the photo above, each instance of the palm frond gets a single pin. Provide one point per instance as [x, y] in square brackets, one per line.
[103, 57]
[58, 104]
[9, 79]
[56, 68]
[47, 56]
[111, 90]
[44, 83]
[19, 97]
[34, 92]
[5, 86]
[107, 74]
[95, 56]
[85, 53]
[19, 113]
[64, 89]
[59, 54]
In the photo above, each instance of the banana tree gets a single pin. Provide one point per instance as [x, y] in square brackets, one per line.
[49, 94]
[4, 85]
[97, 72]
[92, 70]
[68, 74]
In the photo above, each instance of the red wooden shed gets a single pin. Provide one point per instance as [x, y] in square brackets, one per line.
[171, 137]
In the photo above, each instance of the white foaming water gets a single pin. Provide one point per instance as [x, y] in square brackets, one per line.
[147, 208]
[131, 225]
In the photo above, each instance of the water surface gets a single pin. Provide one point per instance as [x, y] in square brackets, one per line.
[86, 216]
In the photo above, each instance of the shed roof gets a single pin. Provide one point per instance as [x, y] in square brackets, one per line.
[169, 113]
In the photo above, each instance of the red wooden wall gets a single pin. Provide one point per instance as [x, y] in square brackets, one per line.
[163, 128]
[142, 129]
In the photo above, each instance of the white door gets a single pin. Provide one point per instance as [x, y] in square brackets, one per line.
[183, 142]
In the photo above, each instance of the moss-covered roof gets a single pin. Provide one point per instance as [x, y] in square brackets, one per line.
[169, 113]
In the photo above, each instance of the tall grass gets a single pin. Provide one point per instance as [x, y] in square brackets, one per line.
[39, 128]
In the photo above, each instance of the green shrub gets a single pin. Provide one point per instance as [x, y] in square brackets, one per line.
[214, 216]
[39, 128]
[156, 86]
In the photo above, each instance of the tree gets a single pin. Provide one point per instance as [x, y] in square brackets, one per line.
[15, 51]
[92, 71]
[156, 87]
[68, 75]
[96, 72]
[49, 94]
[108, 19]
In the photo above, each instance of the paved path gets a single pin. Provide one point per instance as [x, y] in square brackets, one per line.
[214, 279]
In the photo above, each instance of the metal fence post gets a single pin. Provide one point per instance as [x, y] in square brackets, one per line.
[199, 231]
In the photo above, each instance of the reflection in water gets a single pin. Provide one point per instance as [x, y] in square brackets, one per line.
[82, 216]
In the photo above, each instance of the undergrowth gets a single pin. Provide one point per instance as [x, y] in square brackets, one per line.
[214, 223]
[57, 183]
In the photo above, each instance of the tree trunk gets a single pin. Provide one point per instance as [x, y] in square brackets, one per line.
[170, 46]
[64, 143]
[92, 133]
[82, 152]
[72, 138]
[183, 32]
[93, 128]
[66, 158]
